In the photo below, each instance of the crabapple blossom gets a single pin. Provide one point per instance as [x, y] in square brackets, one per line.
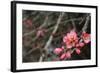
[63, 56]
[58, 50]
[78, 51]
[86, 37]
[81, 44]
[70, 39]
[68, 55]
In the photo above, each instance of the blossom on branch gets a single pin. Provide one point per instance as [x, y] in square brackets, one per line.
[78, 51]
[66, 55]
[86, 37]
[70, 39]
[58, 50]
[72, 42]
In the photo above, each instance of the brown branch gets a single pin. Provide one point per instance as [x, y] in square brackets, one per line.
[51, 37]
[34, 49]
[73, 23]
[54, 31]
[86, 24]
[44, 23]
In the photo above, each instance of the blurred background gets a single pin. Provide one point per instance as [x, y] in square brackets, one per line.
[40, 40]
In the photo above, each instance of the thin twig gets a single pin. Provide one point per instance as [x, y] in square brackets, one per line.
[51, 37]
[54, 31]
[44, 23]
[86, 24]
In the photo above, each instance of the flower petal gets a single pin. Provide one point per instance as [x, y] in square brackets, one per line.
[58, 51]
[68, 55]
[78, 51]
[63, 56]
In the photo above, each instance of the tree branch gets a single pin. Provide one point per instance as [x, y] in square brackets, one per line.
[86, 24]
[44, 23]
[54, 31]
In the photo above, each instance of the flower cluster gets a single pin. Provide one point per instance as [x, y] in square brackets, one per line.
[72, 42]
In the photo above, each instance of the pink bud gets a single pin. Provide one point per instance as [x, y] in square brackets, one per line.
[68, 55]
[58, 50]
[63, 56]
[40, 32]
[81, 44]
[78, 51]
[69, 46]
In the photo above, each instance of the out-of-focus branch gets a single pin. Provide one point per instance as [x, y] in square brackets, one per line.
[74, 19]
[54, 31]
[86, 24]
[51, 37]
[44, 23]
[73, 23]
[34, 49]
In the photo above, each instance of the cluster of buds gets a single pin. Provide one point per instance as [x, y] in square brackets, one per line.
[72, 42]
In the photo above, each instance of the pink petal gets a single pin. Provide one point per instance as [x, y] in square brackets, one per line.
[58, 51]
[86, 37]
[69, 46]
[74, 34]
[64, 39]
[78, 51]
[81, 44]
[68, 55]
[40, 33]
[87, 41]
[63, 56]
[62, 47]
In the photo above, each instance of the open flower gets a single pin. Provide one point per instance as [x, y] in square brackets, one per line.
[58, 50]
[86, 37]
[70, 39]
[68, 55]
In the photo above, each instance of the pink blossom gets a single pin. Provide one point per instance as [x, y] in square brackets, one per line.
[86, 37]
[40, 33]
[81, 44]
[70, 39]
[68, 55]
[63, 56]
[58, 50]
[78, 51]
[77, 45]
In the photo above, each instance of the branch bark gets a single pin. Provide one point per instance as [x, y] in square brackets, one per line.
[44, 23]
[51, 37]
[86, 24]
